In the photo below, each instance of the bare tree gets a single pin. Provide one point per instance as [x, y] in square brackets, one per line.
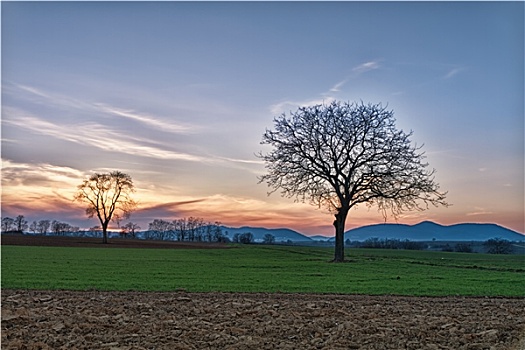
[43, 226]
[161, 229]
[194, 228]
[218, 235]
[498, 246]
[33, 227]
[130, 229]
[343, 154]
[7, 224]
[60, 228]
[269, 239]
[20, 223]
[108, 196]
[180, 226]
[246, 238]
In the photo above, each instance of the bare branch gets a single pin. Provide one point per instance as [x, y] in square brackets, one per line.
[108, 196]
[342, 154]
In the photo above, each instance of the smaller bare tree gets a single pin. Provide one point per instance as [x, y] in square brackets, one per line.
[7, 224]
[21, 223]
[130, 228]
[108, 196]
[33, 227]
[43, 226]
[160, 229]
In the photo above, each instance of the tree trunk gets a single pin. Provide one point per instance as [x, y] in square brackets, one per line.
[339, 224]
[105, 233]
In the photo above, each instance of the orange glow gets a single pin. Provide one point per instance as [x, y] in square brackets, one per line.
[47, 192]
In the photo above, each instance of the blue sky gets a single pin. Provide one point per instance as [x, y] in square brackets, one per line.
[178, 95]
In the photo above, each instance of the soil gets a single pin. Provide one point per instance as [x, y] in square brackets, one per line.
[179, 320]
[89, 242]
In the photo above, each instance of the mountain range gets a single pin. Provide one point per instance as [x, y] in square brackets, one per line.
[429, 231]
[424, 231]
[280, 234]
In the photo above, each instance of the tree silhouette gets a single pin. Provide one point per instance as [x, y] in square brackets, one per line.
[340, 155]
[108, 196]
[269, 239]
[7, 224]
[21, 223]
[130, 228]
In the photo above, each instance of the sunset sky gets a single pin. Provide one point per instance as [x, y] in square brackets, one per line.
[178, 96]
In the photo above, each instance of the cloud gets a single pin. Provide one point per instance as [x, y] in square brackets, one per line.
[286, 106]
[39, 96]
[32, 90]
[478, 211]
[95, 132]
[147, 119]
[453, 72]
[237, 211]
[39, 189]
[365, 67]
[78, 107]
[96, 135]
[166, 211]
[357, 70]
[40, 174]
[337, 87]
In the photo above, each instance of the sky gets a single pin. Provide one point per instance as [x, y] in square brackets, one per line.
[179, 94]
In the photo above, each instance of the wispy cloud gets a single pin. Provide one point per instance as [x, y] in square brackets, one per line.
[96, 109]
[365, 67]
[24, 174]
[96, 135]
[242, 161]
[479, 211]
[236, 211]
[105, 138]
[327, 97]
[286, 106]
[39, 96]
[453, 72]
[356, 71]
[39, 189]
[337, 87]
[148, 120]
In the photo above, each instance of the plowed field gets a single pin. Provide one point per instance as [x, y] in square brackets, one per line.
[134, 320]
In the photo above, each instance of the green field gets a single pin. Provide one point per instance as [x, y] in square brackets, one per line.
[264, 269]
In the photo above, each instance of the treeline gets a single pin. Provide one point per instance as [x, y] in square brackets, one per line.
[186, 229]
[491, 246]
[190, 229]
[391, 244]
[20, 224]
[194, 229]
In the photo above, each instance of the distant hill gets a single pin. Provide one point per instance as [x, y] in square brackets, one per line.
[280, 234]
[428, 231]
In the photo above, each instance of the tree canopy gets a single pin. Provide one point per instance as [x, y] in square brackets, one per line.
[108, 197]
[343, 154]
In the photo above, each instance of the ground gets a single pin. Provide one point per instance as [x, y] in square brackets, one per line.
[88, 242]
[180, 320]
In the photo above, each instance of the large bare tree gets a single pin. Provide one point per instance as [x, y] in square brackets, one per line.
[342, 154]
[108, 196]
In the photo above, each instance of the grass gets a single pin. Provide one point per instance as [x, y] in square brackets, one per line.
[264, 269]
